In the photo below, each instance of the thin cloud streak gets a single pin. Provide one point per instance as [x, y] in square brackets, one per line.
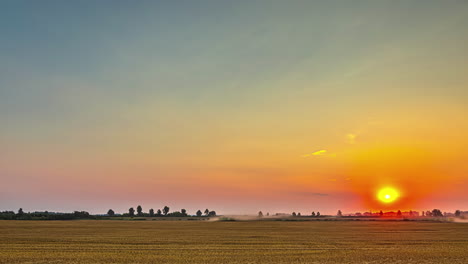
[317, 153]
[323, 153]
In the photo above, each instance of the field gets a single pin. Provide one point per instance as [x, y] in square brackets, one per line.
[232, 242]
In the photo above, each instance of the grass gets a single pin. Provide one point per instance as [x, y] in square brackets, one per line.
[232, 242]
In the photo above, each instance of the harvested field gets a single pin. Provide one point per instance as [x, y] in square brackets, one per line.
[232, 242]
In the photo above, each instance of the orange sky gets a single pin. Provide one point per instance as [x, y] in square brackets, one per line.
[238, 107]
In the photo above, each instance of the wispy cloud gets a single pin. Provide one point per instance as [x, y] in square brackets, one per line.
[351, 138]
[316, 153]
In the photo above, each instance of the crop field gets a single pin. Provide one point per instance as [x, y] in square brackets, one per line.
[232, 242]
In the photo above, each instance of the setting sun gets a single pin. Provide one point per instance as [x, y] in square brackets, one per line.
[387, 195]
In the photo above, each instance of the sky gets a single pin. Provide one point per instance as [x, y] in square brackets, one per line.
[235, 106]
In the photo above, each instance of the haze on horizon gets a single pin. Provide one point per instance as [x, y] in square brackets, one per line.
[236, 106]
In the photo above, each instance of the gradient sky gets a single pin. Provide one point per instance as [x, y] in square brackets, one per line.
[236, 106]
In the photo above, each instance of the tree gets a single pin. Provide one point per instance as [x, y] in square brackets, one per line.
[212, 213]
[159, 213]
[294, 214]
[82, 214]
[381, 213]
[207, 212]
[260, 214]
[437, 213]
[299, 214]
[428, 213]
[339, 214]
[268, 214]
[318, 214]
[110, 212]
[175, 214]
[20, 212]
[165, 210]
[398, 213]
[410, 213]
[139, 211]
[423, 213]
[457, 213]
[199, 213]
[131, 211]
[151, 212]
[313, 214]
[184, 212]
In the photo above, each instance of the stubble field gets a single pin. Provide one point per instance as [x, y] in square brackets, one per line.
[232, 242]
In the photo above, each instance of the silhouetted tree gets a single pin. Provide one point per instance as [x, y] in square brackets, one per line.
[20, 212]
[298, 214]
[411, 213]
[131, 211]
[294, 214]
[313, 214]
[381, 213]
[457, 213]
[339, 214]
[139, 210]
[159, 213]
[151, 212]
[184, 212]
[176, 214]
[80, 214]
[318, 214]
[110, 212]
[428, 213]
[260, 214]
[199, 213]
[165, 210]
[212, 213]
[268, 214]
[437, 213]
[207, 212]
[423, 213]
[398, 213]
[7, 215]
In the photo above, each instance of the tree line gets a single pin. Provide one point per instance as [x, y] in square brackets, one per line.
[165, 212]
[294, 214]
[20, 215]
[159, 213]
[410, 213]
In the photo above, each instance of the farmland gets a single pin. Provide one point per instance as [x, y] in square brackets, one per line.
[90, 241]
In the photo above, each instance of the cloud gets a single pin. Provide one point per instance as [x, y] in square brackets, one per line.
[316, 153]
[351, 138]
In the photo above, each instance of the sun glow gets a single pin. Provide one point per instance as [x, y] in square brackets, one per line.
[387, 195]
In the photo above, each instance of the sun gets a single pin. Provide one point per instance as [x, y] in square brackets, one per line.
[387, 195]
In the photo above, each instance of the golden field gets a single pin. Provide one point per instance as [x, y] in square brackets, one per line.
[232, 242]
